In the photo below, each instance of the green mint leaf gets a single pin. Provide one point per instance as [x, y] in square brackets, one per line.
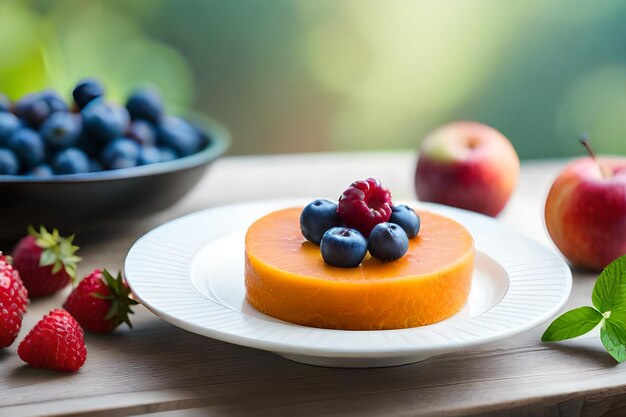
[609, 292]
[613, 337]
[618, 316]
[609, 297]
[572, 324]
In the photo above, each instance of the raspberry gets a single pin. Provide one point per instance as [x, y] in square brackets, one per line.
[56, 342]
[364, 205]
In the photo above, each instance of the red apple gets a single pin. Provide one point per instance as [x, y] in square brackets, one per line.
[585, 211]
[468, 165]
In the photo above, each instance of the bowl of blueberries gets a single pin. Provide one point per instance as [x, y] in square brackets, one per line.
[75, 165]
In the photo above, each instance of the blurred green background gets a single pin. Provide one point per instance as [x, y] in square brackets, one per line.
[300, 75]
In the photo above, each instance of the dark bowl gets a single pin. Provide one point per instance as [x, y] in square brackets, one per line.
[78, 202]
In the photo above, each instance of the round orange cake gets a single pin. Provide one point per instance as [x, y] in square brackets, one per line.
[287, 278]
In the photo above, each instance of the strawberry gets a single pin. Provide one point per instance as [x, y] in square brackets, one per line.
[100, 302]
[13, 300]
[56, 342]
[46, 261]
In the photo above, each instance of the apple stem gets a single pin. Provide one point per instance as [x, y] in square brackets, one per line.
[584, 139]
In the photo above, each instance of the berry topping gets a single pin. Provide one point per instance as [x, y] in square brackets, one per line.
[388, 242]
[364, 205]
[317, 218]
[343, 247]
[100, 302]
[56, 342]
[13, 300]
[407, 219]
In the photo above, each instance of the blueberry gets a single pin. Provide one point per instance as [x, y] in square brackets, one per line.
[120, 153]
[61, 130]
[316, 218]
[87, 90]
[388, 242]
[407, 219]
[179, 135]
[146, 104]
[32, 109]
[95, 166]
[142, 132]
[167, 153]
[149, 155]
[343, 247]
[205, 139]
[88, 145]
[41, 171]
[5, 103]
[104, 121]
[9, 165]
[70, 161]
[28, 147]
[8, 125]
[54, 101]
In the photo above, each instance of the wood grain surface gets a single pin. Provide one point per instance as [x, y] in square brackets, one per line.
[160, 369]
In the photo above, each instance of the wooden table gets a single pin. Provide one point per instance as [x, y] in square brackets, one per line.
[158, 368]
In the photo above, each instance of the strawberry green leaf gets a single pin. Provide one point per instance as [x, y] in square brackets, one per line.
[102, 297]
[58, 251]
[120, 299]
[114, 310]
[609, 292]
[572, 324]
[47, 258]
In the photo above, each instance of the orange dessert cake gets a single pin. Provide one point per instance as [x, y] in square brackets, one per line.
[287, 277]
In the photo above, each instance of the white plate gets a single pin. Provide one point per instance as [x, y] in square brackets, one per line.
[190, 272]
